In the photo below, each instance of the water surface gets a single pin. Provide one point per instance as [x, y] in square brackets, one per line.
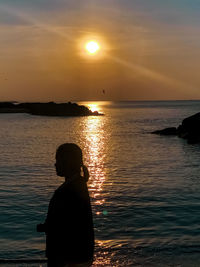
[145, 189]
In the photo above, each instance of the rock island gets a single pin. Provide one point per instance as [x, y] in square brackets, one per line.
[47, 109]
[189, 129]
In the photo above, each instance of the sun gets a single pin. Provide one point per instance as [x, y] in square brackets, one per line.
[92, 47]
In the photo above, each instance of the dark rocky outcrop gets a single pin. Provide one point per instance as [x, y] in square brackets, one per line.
[166, 131]
[189, 129]
[47, 109]
[11, 107]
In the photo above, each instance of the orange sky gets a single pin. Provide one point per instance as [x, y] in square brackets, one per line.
[149, 50]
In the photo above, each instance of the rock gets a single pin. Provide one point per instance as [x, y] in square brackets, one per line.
[47, 109]
[166, 131]
[11, 107]
[190, 129]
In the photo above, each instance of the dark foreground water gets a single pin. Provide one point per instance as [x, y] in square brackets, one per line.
[145, 189]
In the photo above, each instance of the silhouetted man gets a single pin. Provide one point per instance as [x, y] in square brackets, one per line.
[69, 224]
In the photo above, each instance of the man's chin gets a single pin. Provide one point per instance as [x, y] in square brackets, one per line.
[59, 174]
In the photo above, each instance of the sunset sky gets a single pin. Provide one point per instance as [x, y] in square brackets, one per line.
[149, 50]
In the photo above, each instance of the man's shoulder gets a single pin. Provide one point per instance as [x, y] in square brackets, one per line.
[61, 189]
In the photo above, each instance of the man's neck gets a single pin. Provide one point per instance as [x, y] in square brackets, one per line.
[72, 177]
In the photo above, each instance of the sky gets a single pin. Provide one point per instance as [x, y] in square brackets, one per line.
[150, 50]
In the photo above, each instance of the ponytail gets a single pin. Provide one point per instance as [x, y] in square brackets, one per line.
[86, 174]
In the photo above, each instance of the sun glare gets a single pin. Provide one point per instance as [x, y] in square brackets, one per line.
[93, 107]
[92, 47]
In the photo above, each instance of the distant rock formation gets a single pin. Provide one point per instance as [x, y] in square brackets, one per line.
[47, 109]
[189, 129]
[166, 131]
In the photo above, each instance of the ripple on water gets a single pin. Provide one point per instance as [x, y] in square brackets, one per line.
[145, 189]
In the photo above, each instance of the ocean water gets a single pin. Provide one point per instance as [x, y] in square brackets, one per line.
[144, 188]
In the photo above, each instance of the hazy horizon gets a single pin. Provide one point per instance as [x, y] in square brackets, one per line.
[99, 101]
[149, 50]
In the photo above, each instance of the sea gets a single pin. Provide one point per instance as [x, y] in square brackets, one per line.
[144, 188]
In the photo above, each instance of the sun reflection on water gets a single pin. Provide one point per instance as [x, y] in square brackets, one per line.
[95, 146]
[95, 138]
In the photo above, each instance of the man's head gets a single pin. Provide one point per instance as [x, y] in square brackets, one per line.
[68, 160]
